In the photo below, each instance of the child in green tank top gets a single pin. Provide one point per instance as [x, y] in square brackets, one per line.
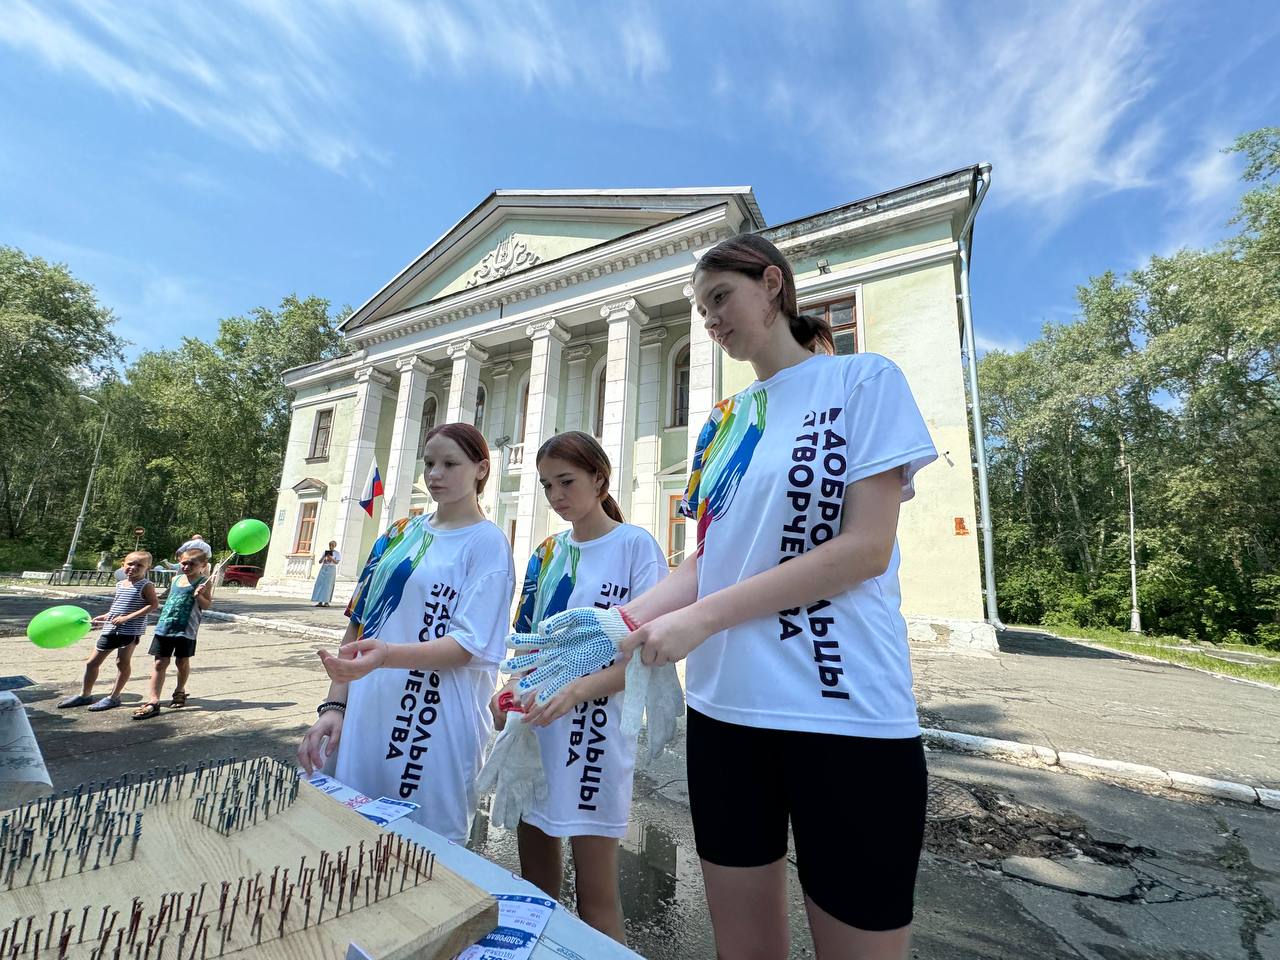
[175, 635]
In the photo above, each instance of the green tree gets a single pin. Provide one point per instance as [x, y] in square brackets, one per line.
[56, 341]
[1173, 368]
[199, 431]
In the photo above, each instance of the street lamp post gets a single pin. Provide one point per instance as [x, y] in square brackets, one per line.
[1135, 618]
[84, 504]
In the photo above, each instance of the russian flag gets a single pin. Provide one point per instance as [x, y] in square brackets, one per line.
[372, 490]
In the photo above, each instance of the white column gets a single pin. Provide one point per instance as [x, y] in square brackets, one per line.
[501, 373]
[349, 529]
[646, 500]
[548, 339]
[621, 382]
[704, 374]
[576, 395]
[403, 459]
[464, 383]
[704, 392]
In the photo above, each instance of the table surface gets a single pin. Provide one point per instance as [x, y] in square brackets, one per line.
[565, 937]
[23, 777]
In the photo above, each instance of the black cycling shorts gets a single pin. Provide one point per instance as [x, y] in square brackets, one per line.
[164, 646]
[856, 806]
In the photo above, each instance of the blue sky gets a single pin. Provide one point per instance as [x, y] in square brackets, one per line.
[193, 161]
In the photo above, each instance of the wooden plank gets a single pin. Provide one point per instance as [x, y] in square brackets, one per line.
[416, 909]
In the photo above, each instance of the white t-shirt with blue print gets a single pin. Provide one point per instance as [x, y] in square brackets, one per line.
[419, 735]
[768, 482]
[588, 763]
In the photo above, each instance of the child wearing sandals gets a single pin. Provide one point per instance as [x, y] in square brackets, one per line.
[185, 602]
[125, 622]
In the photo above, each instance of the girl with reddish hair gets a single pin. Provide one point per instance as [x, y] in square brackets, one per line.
[407, 709]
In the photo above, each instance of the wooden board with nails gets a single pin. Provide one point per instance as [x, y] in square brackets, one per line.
[234, 859]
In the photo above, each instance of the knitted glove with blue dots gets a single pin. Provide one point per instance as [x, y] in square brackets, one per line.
[569, 645]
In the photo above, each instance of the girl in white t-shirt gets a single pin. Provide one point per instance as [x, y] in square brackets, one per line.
[407, 710]
[600, 562]
[798, 677]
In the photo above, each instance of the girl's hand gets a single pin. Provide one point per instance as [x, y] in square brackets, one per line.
[119, 619]
[499, 715]
[540, 715]
[354, 660]
[671, 637]
[314, 751]
[496, 704]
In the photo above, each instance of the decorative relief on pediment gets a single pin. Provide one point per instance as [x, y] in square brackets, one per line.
[507, 257]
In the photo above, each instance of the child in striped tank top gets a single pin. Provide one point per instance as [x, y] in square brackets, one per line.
[125, 622]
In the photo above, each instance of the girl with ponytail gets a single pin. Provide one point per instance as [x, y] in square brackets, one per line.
[798, 678]
[599, 562]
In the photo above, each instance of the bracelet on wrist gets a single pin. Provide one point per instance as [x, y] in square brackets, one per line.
[331, 705]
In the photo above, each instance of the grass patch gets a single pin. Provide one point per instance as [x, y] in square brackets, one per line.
[1166, 648]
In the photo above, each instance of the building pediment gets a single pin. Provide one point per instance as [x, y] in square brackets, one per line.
[512, 231]
[517, 243]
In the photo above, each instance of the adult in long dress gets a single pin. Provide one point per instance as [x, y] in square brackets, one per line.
[322, 592]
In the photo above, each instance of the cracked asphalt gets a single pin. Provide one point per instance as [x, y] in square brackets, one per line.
[1073, 697]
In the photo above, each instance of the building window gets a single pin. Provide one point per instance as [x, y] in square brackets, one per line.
[675, 530]
[843, 317]
[481, 396]
[429, 407]
[321, 430]
[523, 412]
[306, 527]
[680, 388]
[600, 384]
[417, 511]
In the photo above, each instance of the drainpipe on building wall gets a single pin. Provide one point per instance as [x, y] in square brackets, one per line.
[975, 407]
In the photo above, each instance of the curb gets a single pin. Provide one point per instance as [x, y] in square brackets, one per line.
[1081, 763]
[281, 626]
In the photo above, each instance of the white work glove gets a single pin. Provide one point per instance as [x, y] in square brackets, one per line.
[653, 693]
[513, 773]
[572, 644]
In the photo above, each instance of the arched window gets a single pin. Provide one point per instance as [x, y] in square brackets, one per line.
[599, 424]
[429, 408]
[680, 388]
[481, 396]
[522, 414]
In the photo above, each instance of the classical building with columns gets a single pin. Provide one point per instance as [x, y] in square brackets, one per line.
[549, 310]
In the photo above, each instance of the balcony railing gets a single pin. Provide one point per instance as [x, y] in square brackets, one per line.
[515, 456]
[298, 568]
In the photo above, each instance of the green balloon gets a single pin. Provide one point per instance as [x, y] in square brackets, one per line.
[59, 626]
[248, 536]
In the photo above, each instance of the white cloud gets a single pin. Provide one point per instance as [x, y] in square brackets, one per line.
[1213, 173]
[288, 76]
[721, 80]
[986, 343]
[1205, 188]
[644, 50]
[153, 308]
[1052, 95]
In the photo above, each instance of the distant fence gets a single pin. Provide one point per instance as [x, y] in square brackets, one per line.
[102, 578]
